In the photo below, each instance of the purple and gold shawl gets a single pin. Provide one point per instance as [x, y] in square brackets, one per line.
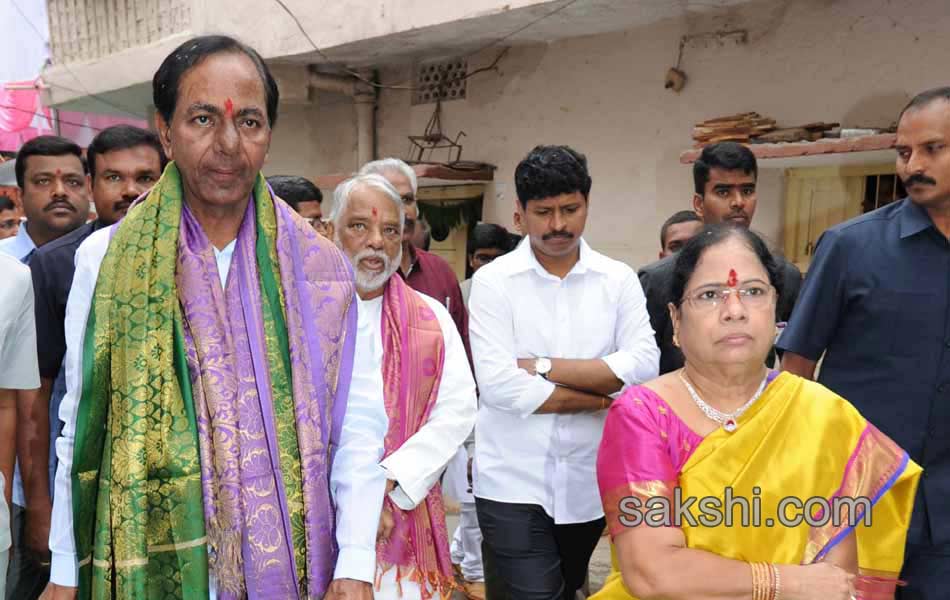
[209, 415]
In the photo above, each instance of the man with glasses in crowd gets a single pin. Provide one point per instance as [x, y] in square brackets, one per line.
[302, 196]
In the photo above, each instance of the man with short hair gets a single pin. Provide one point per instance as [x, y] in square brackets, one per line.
[876, 304]
[424, 271]
[486, 242]
[18, 372]
[724, 176]
[211, 445]
[124, 162]
[420, 374]
[557, 330]
[302, 196]
[677, 230]
[9, 218]
[54, 192]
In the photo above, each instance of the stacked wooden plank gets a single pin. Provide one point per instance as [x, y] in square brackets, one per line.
[734, 128]
[755, 129]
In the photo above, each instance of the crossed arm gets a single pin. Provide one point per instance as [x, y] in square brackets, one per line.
[510, 383]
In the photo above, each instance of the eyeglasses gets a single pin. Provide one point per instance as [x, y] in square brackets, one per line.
[317, 223]
[753, 295]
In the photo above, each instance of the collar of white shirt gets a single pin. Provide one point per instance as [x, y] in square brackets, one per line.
[524, 259]
[19, 245]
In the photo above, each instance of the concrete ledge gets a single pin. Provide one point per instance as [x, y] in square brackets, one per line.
[423, 171]
[867, 143]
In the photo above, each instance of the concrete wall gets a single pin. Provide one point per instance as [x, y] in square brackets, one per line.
[856, 61]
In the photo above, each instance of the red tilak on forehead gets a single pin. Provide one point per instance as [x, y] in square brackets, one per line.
[733, 280]
[229, 107]
[59, 172]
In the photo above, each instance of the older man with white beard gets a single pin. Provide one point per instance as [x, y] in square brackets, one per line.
[410, 345]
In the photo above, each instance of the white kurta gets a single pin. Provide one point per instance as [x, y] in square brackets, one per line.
[418, 464]
[357, 483]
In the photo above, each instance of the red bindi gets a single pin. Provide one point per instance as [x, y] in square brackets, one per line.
[733, 280]
[59, 172]
[375, 213]
[229, 108]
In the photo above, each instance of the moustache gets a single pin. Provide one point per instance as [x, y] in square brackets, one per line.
[919, 179]
[123, 204]
[557, 234]
[59, 204]
[364, 254]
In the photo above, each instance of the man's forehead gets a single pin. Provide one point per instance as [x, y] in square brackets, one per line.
[143, 155]
[221, 77]
[370, 202]
[66, 163]
[557, 201]
[679, 230]
[397, 179]
[927, 123]
[718, 176]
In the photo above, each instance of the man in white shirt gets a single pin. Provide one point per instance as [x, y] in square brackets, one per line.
[55, 191]
[420, 374]
[210, 308]
[19, 370]
[557, 330]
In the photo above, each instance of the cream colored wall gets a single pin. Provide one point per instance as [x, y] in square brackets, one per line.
[856, 61]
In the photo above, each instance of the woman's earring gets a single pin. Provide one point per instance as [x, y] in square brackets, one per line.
[676, 341]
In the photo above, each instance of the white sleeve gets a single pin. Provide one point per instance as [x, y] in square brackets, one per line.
[501, 384]
[19, 368]
[357, 482]
[420, 461]
[637, 358]
[64, 569]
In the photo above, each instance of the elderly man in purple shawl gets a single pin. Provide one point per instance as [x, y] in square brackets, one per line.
[213, 445]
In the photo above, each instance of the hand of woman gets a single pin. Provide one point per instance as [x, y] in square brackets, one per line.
[822, 581]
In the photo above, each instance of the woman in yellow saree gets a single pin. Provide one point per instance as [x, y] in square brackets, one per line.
[834, 494]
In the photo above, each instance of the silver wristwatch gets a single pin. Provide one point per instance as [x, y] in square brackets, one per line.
[542, 367]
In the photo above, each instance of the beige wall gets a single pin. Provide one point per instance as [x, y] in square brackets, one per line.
[856, 61]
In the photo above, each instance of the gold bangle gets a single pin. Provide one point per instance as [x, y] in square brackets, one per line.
[777, 587]
[760, 581]
[756, 585]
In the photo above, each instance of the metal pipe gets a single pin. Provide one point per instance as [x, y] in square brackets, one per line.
[364, 104]
[336, 84]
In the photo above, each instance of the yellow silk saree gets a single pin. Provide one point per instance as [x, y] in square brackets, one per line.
[800, 451]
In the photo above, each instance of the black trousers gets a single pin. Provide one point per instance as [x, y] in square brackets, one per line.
[927, 573]
[528, 557]
[28, 573]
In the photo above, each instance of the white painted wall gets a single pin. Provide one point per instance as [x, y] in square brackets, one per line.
[854, 61]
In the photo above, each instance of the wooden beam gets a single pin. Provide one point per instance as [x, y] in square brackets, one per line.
[423, 171]
[866, 143]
